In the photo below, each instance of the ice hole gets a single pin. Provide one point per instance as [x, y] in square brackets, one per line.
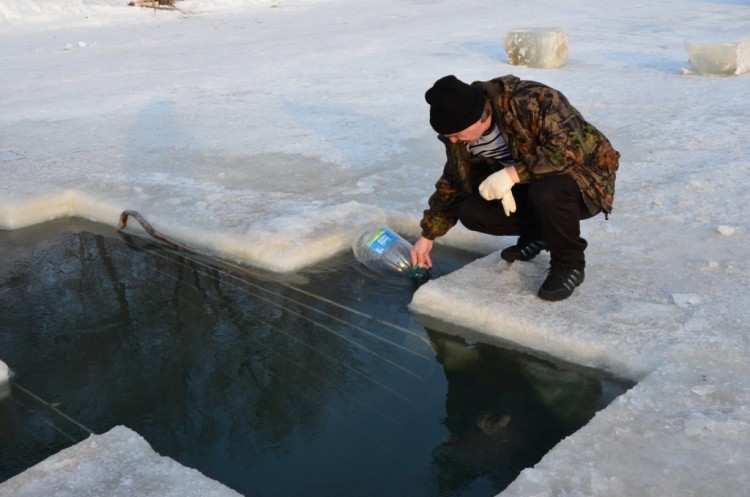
[317, 383]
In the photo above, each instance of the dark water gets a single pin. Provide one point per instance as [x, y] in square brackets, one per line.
[316, 384]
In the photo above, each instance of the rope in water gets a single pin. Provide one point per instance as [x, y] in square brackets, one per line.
[56, 410]
[155, 234]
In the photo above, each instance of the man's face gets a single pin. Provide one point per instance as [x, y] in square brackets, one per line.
[470, 134]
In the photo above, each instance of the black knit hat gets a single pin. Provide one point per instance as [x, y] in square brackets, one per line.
[454, 105]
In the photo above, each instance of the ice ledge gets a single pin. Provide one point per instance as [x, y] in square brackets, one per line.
[274, 242]
[593, 328]
[609, 323]
[119, 463]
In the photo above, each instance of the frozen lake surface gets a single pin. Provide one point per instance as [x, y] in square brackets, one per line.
[270, 131]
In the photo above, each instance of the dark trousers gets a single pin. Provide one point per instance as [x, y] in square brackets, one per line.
[547, 209]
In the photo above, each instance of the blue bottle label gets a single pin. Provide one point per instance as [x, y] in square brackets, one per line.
[381, 240]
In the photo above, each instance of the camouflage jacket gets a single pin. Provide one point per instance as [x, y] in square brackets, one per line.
[546, 135]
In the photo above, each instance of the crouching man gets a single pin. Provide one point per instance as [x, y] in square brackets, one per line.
[521, 160]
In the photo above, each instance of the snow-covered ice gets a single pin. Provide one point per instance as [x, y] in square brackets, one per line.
[271, 131]
[118, 463]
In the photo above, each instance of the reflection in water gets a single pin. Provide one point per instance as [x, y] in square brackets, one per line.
[504, 411]
[317, 384]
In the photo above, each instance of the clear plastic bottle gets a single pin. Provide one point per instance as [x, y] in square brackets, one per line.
[384, 251]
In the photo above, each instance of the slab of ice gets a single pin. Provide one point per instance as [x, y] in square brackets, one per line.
[720, 59]
[119, 463]
[539, 47]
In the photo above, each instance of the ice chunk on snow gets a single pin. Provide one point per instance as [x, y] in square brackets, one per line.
[720, 59]
[685, 299]
[118, 463]
[725, 230]
[704, 389]
[539, 47]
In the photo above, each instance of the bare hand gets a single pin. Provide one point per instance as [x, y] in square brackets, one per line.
[420, 253]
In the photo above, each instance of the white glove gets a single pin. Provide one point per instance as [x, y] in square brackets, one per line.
[509, 203]
[497, 187]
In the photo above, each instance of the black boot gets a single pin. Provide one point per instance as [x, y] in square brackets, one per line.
[560, 283]
[523, 251]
